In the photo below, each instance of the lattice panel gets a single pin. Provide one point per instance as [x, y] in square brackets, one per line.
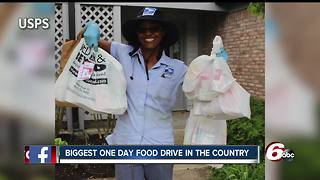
[102, 15]
[58, 20]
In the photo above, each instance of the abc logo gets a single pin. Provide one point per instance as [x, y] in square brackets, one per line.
[288, 155]
[33, 23]
[276, 152]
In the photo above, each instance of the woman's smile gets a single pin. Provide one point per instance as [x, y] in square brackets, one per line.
[149, 40]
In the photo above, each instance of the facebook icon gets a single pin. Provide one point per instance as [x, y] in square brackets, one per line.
[41, 154]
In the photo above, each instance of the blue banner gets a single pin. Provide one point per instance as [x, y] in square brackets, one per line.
[160, 152]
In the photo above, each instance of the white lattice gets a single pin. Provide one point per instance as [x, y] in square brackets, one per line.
[102, 15]
[58, 20]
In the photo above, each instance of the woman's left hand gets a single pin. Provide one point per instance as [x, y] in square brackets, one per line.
[92, 35]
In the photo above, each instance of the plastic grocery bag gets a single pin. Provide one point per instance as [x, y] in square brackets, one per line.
[93, 81]
[216, 97]
[233, 104]
[212, 88]
[203, 130]
[207, 77]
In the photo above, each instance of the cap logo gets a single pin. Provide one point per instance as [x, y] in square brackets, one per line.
[149, 11]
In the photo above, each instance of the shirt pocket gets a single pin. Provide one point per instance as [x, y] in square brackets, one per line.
[165, 89]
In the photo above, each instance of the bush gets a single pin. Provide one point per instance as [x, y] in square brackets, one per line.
[60, 142]
[256, 9]
[245, 131]
[241, 172]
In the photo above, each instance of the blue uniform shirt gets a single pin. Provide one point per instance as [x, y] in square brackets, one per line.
[148, 119]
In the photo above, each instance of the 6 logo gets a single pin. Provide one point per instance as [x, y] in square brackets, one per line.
[276, 151]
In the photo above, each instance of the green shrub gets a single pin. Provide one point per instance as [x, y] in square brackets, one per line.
[256, 9]
[239, 172]
[60, 142]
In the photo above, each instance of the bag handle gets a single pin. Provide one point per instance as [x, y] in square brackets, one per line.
[216, 45]
[218, 49]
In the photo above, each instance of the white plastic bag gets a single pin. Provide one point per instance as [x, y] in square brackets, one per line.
[216, 97]
[233, 104]
[95, 82]
[204, 130]
[207, 77]
[212, 88]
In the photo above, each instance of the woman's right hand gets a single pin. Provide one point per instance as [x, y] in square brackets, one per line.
[92, 35]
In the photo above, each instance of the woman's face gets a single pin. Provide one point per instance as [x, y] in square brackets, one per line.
[150, 35]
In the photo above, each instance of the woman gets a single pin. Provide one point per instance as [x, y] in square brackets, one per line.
[152, 83]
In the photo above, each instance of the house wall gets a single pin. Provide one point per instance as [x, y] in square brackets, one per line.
[243, 38]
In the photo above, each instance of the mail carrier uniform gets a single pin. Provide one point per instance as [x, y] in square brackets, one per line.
[151, 96]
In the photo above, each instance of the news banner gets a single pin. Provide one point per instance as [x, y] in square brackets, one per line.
[242, 154]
